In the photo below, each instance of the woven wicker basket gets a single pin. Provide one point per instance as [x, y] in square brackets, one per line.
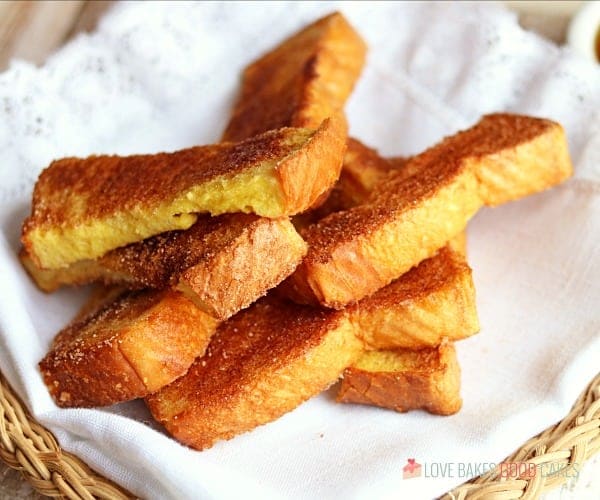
[31, 449]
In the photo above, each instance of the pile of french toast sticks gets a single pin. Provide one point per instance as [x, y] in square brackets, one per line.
[242, 278]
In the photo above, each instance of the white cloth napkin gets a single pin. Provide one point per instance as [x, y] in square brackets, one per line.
[163, 76]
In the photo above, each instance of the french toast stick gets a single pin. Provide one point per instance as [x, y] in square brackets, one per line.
[362, 169]
[300, 83]
[221, 263]
[403, 380]
[83, 208]
[355, 252]
[125, 348]
[433, 300]
[271, 357]
[262, 363]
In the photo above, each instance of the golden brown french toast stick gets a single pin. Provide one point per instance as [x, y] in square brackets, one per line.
[434, 300]
[222, 263]
[301, 82]
[355, 252]
[83, 208]
[363, 168]
[262, 363]
[126, 348]
[403, 380]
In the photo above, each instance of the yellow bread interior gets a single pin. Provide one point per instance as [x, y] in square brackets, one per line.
[400, 360]
[404, 380]
[282, 172]
[222, 264]
[83, 271]
[256, 191]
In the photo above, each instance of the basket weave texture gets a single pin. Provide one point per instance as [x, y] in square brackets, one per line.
[31, 449]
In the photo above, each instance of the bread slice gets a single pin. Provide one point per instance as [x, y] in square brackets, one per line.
[436, 299]
[262, 363]
[222, 263]
[300, 83]
[126, 348]
[355, 252]
[404, 380]
[83, 208]
[363, 168]
[270, 358]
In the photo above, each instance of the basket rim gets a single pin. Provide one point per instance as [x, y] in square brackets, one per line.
[31, 449]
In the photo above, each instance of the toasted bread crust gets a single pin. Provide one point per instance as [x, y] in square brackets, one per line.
[113, 182]
[304, 177]
[222, 263]
[430, 380]
[434, 300]
[300, 83]
[355, 252]
[362, 170]
[125, 349]
[75, 200]
[260, 364]
[260, 258]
